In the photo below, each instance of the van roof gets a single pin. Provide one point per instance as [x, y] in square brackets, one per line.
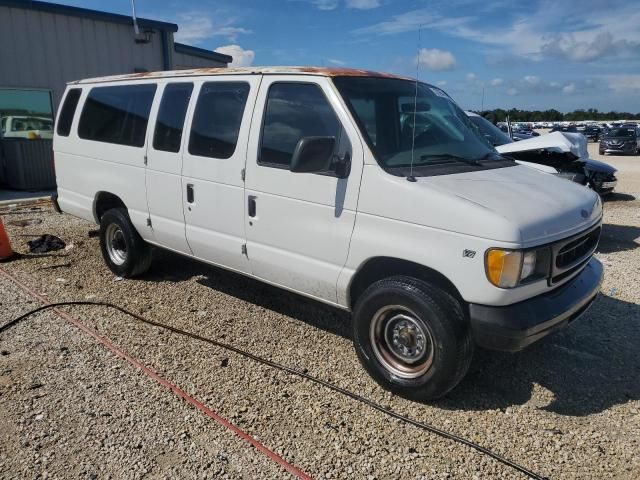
[317, 71]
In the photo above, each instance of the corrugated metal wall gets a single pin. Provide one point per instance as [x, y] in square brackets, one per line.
[183, 60]
[46, 50]
[28, 164]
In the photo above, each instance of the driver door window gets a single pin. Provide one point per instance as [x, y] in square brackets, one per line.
[294, 111]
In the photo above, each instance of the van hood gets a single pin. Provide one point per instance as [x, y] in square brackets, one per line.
[559, 142]
[538, 207]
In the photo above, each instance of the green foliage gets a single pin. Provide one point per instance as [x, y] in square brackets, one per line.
[515, 115]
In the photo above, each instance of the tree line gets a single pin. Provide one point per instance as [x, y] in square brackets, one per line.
[552, 115]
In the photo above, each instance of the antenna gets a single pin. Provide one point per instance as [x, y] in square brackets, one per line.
[135, 20]
[411, 178]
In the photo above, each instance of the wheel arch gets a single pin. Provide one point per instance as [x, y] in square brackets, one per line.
[377, 268]
[104, 201]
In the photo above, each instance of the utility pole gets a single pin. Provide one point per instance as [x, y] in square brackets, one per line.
[482, 104]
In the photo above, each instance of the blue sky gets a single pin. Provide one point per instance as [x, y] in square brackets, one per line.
[533, 54]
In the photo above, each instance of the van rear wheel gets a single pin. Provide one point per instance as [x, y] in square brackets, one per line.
[123, 249]
[412, 337]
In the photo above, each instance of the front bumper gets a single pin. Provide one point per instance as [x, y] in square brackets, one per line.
[621, 149]
[514, 327]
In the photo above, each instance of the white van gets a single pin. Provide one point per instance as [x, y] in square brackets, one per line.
[362, 190]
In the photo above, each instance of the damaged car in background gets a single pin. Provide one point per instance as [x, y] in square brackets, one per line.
[562, 154]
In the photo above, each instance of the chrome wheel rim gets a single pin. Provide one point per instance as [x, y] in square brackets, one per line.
[115, 243]
[401, 342]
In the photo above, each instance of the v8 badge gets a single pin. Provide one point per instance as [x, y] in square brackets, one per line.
[468, 253]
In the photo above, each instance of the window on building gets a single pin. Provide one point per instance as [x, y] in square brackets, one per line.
[170, 121]
[294, 111]
[68, 111]
[217, 118]
[117, 114]
[26, 113]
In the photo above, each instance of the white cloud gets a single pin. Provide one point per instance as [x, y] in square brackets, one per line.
[496, 82]
[241, 57]
[193, 27]
[471, 77]
[512, 91]
[531, 80]
[591, 30]
[410, 21]
[441, 83]
[569, 46]
[335, 61]
[435, 59]
[363, 4]
[569, 88]
[326, 4]
[624, 83]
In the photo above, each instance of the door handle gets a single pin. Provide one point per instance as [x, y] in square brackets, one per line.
[190, 194]
[252, 206]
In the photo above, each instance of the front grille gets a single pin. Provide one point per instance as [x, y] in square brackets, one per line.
[570, 255]
[577, 249]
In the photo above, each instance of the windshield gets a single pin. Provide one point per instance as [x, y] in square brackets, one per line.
[394, 121]
[621, 132]
[490, 131]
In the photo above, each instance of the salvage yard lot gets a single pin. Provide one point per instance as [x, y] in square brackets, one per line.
[568, 407]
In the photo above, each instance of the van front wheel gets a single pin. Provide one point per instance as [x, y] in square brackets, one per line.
[412, 337]
[123, 249]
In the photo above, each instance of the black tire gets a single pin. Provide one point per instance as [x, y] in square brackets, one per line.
[128, 255]
[436, 311]
[601, 152]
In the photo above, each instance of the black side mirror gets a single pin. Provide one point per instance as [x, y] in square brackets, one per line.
[313, 155]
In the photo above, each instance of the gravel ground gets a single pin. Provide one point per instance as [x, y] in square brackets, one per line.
[567, 407]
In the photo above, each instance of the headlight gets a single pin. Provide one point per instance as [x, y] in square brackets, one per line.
[510, 268]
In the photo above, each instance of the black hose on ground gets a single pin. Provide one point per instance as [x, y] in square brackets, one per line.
[376, 406]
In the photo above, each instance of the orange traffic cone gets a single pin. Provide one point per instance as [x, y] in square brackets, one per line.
[6, 252]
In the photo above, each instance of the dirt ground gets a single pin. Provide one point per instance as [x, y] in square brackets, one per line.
[567, 408]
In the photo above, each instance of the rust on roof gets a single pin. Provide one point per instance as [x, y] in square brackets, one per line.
[320, 71]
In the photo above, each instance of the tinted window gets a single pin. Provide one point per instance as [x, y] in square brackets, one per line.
[216, 121]
[26, 113]
[117, 114]
[621, 132]
[68, 111]
[170, 121]
[294, 111]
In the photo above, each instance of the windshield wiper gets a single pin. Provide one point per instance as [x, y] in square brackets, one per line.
[449, 158]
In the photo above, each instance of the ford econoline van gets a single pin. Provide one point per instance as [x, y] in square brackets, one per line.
[370, 192]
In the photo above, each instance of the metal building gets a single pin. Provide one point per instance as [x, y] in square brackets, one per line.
[45, 45]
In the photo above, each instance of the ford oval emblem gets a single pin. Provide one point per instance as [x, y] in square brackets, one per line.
[584, 213]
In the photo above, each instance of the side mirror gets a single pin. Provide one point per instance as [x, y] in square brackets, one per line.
[313, 155]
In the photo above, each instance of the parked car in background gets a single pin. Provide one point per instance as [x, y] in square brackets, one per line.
[562, 154]
[592, 132]
[23, 126]
[621, 140]
[515, 134]
[326, 183]
[564, 128]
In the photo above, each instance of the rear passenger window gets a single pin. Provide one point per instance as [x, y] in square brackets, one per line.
[68, 111]
[217, 118]
[117, 114]
[294, 111]
[170, 121]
